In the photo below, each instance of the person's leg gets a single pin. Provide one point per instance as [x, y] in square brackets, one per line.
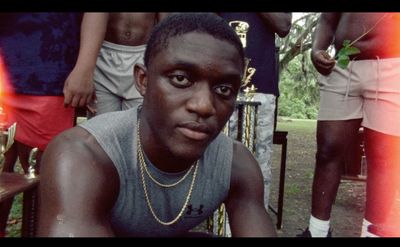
[10, 157]
[332, 142]
[106, 101]
[383, 179]
[264, 138]
[382, 144]
[339, 118]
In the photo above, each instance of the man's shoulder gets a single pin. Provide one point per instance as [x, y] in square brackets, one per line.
[75, 138]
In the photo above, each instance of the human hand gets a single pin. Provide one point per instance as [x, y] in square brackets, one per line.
[78, 88]
[323, 62]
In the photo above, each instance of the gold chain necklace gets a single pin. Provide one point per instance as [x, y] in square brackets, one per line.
[142, 167]
[143, 163]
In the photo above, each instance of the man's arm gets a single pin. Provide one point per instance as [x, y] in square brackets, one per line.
[323, 37]
[79, 88]
[279, 22]
[245, 204]
[78, 187]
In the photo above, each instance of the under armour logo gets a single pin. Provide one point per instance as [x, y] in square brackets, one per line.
[191, 209]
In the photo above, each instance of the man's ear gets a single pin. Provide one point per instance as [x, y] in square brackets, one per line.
[140, 74]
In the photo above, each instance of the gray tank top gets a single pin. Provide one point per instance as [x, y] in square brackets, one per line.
[130, 215]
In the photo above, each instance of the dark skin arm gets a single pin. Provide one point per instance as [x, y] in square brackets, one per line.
[323, 37]
[78, 187]
[279, 22]
[245, 204]
[79, 87]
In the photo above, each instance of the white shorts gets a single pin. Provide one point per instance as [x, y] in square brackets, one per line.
[113, 77]
[367, 89]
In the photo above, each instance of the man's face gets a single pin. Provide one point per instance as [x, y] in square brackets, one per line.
[190, 94]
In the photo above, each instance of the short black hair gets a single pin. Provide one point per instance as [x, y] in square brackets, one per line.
[181, 23]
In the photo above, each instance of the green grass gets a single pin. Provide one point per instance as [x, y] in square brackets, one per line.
[15, 219]
[14, 222]
[300, 160]
[298, 126]
[292, 189]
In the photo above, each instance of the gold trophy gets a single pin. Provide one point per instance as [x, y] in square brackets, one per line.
[6, 135]
[246, 109]
[32, 163]
[247, 89]
[241, 28]
[7, 140]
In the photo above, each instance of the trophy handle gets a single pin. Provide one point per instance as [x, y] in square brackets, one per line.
[32, 163]
[11, 135]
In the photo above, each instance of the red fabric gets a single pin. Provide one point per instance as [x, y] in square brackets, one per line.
[38, 118]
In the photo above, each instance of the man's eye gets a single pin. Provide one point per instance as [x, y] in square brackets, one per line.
[224, 90]
[180, 80]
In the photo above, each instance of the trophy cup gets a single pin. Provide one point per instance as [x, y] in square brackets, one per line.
[6, 135]
[241, 28]
[247, 90]
[32, 163]
[246, 110]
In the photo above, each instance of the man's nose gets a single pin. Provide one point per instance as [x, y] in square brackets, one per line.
[202, 101]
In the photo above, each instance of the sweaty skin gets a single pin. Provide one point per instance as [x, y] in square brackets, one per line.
[353, 25]
[131, 29]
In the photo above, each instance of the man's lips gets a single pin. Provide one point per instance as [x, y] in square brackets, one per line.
[195, 130]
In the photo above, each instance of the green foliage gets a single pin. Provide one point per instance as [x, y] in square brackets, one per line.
[343, 56]
[15, 219]
[299, 91]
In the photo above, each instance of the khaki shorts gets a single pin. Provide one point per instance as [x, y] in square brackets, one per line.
[367, 89]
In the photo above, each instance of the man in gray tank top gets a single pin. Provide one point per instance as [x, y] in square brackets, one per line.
[162, 168]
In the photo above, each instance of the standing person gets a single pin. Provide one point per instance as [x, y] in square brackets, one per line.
[38, 51]
[125, 39]
[257, 32]
[78, 88]
[161, 168]
[366, 93]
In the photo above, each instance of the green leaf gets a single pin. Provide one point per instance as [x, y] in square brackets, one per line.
[343, 61]
[344, 54]
[346, 42]
[352, 50]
